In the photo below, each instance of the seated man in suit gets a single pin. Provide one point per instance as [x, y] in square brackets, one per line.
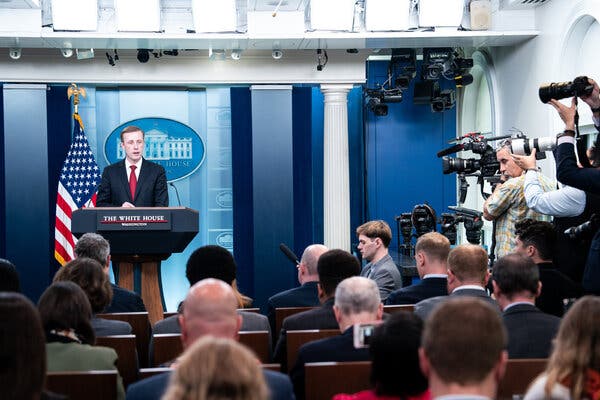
[210, 309]
[374, 238]
[357, 301]
[215, 262]
[516, 282]
[462, 350]
[94, 246]
[431, 254]
[467, 276]
[537, 240]
[306, 294]
[134, 181]
[333, 267]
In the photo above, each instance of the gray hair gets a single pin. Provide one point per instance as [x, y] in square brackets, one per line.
[94, 246]
[357, 294]
[311, 255]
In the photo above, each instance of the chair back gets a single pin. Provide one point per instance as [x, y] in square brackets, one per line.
[284, 312]
[295, 339]
[140, 327]
[325, 379]
[167, 347]
[519, 375]
[125, 346]
[391, 309]
[258, 341]
[148, 372]
[83, 385]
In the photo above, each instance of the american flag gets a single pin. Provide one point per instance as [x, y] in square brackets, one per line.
[77, 188]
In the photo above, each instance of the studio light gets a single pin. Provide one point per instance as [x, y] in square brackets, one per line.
[216, 54]
[14, 53]
[236, 54]
[66, 53]
[143, 55]
[277, 54]
[84, 54]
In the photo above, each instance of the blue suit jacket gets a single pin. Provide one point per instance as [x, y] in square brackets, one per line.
[154, 387]
[125, 301]
[530, 331]
[425, 307]
[430, 287]
[302, 296]
[151, 189]
[568, 173]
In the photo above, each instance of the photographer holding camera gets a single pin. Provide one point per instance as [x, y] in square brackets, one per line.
[506, 206]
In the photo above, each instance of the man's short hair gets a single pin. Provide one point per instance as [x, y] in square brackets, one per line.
[131, 128]
[468, 262]
[515, 273]
[435, 245]
[9, 278]
[463, 340]
[94, 246]
[89, 275]
[333, 267]
[356, 295]
[539, 234]
[376, 229]
[210, 262]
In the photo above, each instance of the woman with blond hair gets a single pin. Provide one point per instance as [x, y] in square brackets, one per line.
[217, 369]
[573, 371]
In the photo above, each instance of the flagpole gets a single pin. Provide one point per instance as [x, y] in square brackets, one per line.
[74, 91]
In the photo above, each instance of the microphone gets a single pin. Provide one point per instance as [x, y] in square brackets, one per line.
[450, 150]
[176, 192]
[288, 253]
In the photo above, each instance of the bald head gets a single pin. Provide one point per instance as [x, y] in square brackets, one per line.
[209, 309]
[309, 260]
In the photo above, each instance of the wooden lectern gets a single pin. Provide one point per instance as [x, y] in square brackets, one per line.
[140, 238]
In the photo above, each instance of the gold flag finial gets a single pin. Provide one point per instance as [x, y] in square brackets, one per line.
[74, 91]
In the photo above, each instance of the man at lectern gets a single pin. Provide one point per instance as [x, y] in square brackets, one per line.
[134, 181]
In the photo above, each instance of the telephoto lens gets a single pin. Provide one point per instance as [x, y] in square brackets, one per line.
[523, 147]
[560, 90]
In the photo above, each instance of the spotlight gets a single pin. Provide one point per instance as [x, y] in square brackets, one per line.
[375, 105]
[321, 59]
[15, 54]
[277, 54]
[143, 55]
[66, 53]
[84, 54]
[173, 53]
[111, 60]
[236, 54]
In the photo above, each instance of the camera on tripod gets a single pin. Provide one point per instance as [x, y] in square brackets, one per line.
[580, 86]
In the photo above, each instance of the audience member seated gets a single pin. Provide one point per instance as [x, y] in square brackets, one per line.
[463, 349]
[357, 301]
[88, 274]
[94, 246]
[431, 254]
[573, 371]
[394, 352]
[306, 294]
[537, 240]
[467, 276]
[9, 278]
[22, 347]
[516, 282]
[210, 310]
[218, 263]
[333, 267]
[374, 238]
[215, 369]
[66, 313]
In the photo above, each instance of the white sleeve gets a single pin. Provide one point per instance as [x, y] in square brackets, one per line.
[565, 202]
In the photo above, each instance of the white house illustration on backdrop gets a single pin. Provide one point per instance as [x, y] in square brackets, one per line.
[159, 146]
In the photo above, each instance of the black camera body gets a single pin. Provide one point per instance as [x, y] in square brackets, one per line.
[487, 163]
[585, 230]
[580, 86]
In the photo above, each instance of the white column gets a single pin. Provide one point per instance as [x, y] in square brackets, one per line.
[336, 181]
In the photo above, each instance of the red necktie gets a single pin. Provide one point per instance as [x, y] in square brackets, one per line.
[132, 181]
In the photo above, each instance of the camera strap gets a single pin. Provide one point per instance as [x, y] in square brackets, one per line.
[580, 143]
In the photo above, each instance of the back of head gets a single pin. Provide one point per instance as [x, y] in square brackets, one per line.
[357, 295]
[9, 278]
[333, 267]
[435, 245]
[463, 340]
[210, 262]
[398, 338]
[311, 255]
[210, 309]
[577, 346]
[64, 306]
[217, 369]
[468, 262]
[89, 275]
[376, 229]
[22, 347]
[516, 274]
[539, 234]
[94, 246]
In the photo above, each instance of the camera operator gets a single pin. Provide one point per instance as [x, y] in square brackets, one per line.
[569, 207]
[506, 206]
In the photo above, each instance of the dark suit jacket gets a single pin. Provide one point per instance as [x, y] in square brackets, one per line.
[425, 307]
[568, 173]
[302, 296]
[107, 327]
[154, 387]
[427, 288]
[336, 348]
[125, 301]
[151, 189]
[556, 286]
[530, 331]
[318, 318]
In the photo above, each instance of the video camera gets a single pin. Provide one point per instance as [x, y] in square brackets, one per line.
[423, 219]
[470, 218]
[446, 63]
